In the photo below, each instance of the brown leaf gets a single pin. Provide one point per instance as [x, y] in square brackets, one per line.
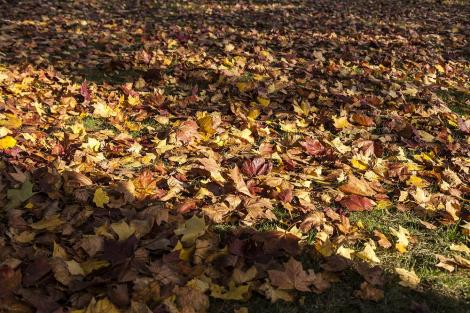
[10, 280]
[188, 132]
[238, 181]
[357, 186]
[362, 119]
[293, 276]
[382, 240]
[369, 292]
[35, 271]
[357, 203]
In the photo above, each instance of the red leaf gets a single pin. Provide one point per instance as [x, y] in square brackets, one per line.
[187, 206]
[84, 91]
[256, 166]
[357, 203]
[286, 195]
[313, 147]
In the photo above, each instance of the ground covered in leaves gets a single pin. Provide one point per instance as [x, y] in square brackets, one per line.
[249, 156]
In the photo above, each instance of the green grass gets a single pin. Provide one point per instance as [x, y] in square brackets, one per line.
[442, 291]
[421, 254]
[458, 101]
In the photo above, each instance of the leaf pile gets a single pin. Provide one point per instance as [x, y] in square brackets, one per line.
[127, 133]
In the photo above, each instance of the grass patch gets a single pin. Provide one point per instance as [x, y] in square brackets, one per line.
[421, 252]
[456, 100]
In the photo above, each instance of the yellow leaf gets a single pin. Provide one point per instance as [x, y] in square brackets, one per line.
[92, 144]
[263, 101]
[191, 230]
[253, 113]
[384, 204]
[234, 293]
[206, 124]
[101, 306]
[341, 122]
[49, 223]
[12, 121]
[407, 278]
[244, 86]
[439, 68]
[4, 131]
[417, 181]
[7, 142]
[359, 164]
[324, 247]
[345, 252]
[241, 277]
[403, 238]
[244, 134]
[100, 198]
[93, 265]
[460, 247]
[123, 230]
[368, 254]
[58, 251]
[69, 102]
[133, 100]
[74, 268]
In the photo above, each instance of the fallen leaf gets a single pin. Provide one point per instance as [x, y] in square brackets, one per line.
[357, 186]
[17, 196]
[407, 278]
[256, 166]
[357, 203]
[7, 142]
[100, 198]
[293, 276]
[191, 230]
[240, 184]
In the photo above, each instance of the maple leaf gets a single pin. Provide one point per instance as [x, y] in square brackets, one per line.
[357, 203]
[188, 132]
[101, 306]
[407, 278]
[362, 119]
[7, 142]
[256, 166]
[17, 196]
[100, 198]
[240, 184]
[368, 253]
[213, 168]
[313, 147]
[293, 276]
[123, 230]
[357, 186]
[403, 236]
[369, 292]
[191, 229]
[85, 91]
[11, 121]
[241, 292]
[275, 294]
